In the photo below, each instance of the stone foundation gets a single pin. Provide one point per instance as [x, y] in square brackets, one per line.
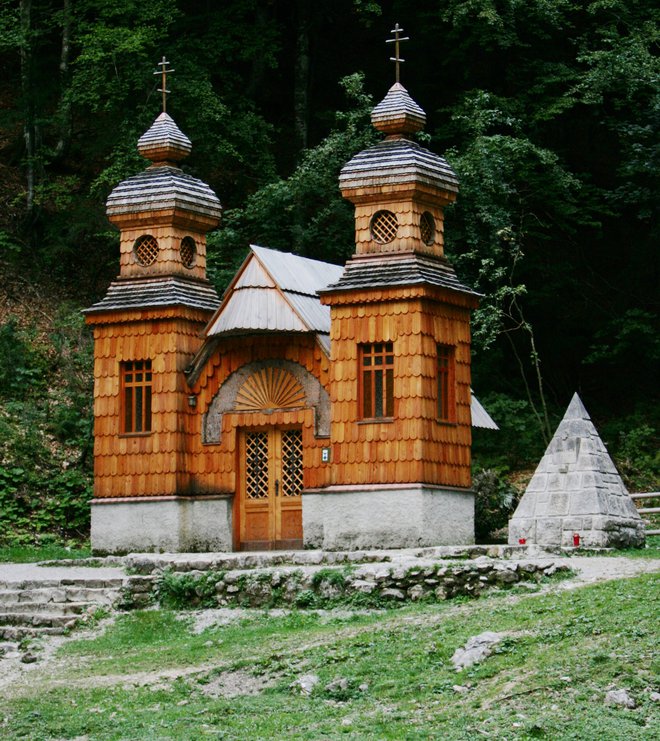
[162, 524]
[387, 516]
[594, 532]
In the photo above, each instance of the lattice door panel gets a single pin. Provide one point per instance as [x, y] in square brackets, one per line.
[270, 484]
[256, 465]
[292, 470]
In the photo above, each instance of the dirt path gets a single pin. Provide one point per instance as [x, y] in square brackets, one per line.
[592, 569]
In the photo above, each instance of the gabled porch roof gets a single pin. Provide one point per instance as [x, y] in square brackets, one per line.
[278, 292]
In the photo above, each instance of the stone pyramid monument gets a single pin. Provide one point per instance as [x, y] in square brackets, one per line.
[576, 489]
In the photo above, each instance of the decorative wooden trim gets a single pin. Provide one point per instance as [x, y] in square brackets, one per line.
[335, 489]
[269, 388]
[164, 498]
[361, 296]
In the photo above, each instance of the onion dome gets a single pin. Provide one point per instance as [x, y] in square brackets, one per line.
[164, 141]
[398, 113]
[163, 189]
[397, 161]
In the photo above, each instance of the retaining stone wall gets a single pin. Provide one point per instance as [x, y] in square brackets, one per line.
[366, 584]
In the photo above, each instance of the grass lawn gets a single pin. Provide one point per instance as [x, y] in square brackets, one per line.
[547, 679]
[33, 553]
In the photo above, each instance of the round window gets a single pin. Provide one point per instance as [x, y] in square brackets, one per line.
[427, 227]
[188, 250]
[146, 250]
[384, 226]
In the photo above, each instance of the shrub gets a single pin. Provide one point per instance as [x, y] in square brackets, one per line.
[183, 591]
[495, 500]
[45, 432]
[21, 365]
[519, 441]
[633, 443]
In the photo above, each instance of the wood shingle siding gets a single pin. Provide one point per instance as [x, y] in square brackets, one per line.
[144, 464]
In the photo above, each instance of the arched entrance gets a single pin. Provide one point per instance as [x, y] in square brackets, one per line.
[273, 415]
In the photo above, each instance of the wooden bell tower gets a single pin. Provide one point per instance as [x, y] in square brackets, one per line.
[400, 353]
[146, 330]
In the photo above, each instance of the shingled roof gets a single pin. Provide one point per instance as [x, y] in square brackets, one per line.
[387, 270]
[163, 186]
[157, 291]
[164, 140]
[162, 189]
[276, 292]
[396, 162]
[397, 111]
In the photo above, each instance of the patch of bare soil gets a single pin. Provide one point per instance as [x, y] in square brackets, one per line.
[217, 618]
[235, 684]
[14, 672]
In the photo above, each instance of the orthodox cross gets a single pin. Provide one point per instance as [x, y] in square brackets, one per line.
[163, 72]
[396, 40]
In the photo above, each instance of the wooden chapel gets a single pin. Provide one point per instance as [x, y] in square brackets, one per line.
[311, 406]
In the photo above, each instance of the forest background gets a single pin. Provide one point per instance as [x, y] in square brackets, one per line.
[548, 110]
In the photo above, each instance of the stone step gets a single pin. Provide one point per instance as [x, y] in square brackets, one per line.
[48, 595]
[47, 608]
[19, 632]
[45, 583]
[148, 563]
[29, 619]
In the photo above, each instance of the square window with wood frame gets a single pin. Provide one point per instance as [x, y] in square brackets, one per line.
[446, 383]
[136, 397]
[376, 380]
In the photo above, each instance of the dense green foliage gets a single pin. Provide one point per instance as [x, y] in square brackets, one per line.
[45, 432]
[547, 109]
[152, 675]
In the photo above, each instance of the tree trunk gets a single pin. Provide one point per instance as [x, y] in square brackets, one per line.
[65, 103]
[301, 74]
[29, 130]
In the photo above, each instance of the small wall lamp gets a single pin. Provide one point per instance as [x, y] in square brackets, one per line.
[192, 401]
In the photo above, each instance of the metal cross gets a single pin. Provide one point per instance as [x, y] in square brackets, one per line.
[396, 40]
[163, 72]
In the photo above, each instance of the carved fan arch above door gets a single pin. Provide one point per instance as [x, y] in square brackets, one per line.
[265, 386]
[269, 388]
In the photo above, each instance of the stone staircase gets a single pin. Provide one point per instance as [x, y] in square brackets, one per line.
[42, 606]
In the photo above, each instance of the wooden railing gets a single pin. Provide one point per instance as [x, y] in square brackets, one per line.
[648, 510]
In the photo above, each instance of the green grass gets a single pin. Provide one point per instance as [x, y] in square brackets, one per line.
[547, 680]
[32, 553]
[650, 550]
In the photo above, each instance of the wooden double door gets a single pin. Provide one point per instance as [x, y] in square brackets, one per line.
[270, 489]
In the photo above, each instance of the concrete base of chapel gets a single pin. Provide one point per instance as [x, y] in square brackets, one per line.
[387, 516]
[162, 524]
